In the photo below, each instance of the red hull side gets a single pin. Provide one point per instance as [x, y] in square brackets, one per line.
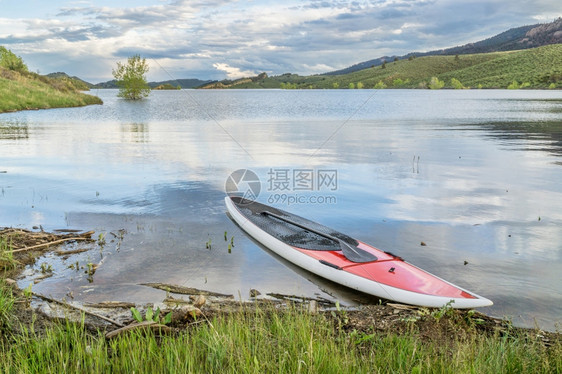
[391, 271]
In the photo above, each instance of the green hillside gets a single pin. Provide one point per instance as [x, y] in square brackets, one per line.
[531, 68]
[78, 83]
[21, 89]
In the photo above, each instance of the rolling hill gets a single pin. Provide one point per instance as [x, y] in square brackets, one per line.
[531, 68]
[22, 90]
[518, 38]
[183, 83]
[528, 55]
[78, 83]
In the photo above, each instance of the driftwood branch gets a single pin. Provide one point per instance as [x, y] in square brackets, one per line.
[77, 308]
[13, 230]
[61, 252]
[184, 290]
[146, 325]
[112, 305]
[85, 236]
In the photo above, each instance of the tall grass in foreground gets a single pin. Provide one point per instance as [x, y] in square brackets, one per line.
[7, 300]
[264, 341]
[7, 261]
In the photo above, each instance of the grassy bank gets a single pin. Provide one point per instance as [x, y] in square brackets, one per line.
[290, 341]
[25, 90]
[263, 338]
[537, 68]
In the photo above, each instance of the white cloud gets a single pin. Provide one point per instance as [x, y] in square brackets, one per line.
[189, 36]
[233, 72]
[318, 68]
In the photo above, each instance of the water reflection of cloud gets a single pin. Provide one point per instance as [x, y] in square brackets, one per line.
[37, 218]
[477, 192]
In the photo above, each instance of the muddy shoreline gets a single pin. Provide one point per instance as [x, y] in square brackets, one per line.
[186, 306]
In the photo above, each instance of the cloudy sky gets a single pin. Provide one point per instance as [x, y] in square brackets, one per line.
[219, 39]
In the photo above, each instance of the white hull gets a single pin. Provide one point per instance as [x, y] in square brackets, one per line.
[345, 278]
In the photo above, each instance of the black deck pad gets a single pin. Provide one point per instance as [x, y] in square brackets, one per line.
[289, 233]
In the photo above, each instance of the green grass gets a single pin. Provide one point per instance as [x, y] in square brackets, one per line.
[534, 68]
[7, 261]
[23, 90]
[264, 341]
[7, 300]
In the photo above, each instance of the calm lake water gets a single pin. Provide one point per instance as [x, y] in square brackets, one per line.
[476, 175]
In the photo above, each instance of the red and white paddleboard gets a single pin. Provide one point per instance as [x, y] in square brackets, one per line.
[344, 260]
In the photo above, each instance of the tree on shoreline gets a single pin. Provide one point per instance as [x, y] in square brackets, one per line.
[436, 84]
[131, 78]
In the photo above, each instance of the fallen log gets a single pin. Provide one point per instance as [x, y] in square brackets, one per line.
[61, 252]
[301, 299]
[184, 290]
[77, 308]
[112, 304]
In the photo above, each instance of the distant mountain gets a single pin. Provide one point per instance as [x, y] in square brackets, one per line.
[108, 84]
[183, 83]
[533, 68]
[77, 82]
[523, 37]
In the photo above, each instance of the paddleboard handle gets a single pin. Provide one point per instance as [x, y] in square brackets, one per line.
[330, 264]
[395, 256]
